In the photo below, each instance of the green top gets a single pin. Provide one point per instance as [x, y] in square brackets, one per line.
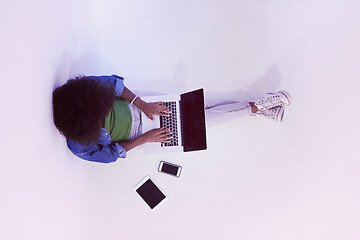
[119, 120]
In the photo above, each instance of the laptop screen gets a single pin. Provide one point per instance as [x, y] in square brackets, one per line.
[193, 120]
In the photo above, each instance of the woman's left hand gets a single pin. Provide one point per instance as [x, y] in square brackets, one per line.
[155, 108]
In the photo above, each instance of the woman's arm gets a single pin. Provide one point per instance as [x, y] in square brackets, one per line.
[129, 96]
[97, 153]
[150, 109]
[154, 135]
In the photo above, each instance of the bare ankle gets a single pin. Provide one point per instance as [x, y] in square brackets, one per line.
[253, 107]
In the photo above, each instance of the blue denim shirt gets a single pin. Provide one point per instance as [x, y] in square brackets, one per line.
[105, 150]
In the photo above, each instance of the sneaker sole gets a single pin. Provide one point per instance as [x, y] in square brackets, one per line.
[280, 114]
[287, 95]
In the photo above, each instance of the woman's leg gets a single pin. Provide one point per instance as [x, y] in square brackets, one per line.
[220, 107]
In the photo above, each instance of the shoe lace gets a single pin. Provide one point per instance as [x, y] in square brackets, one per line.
[272, 100]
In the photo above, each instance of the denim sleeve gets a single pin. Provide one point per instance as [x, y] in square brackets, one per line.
[116, 81]
[98, 153]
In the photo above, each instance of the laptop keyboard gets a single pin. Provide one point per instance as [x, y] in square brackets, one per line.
[170, 123]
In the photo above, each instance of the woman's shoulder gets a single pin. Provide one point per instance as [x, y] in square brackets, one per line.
[104, 139]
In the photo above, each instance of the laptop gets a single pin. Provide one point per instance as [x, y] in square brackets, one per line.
[186, 122]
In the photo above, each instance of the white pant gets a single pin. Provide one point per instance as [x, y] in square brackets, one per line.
[218, 108]
[136, 127]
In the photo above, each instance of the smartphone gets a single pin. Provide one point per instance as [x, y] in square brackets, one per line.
[170, 168]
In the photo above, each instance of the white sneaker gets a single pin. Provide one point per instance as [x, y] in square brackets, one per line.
[281, 98]
[275, 113]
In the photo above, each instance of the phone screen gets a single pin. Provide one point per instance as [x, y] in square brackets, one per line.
[169, 169]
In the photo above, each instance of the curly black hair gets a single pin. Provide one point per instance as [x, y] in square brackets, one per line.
[80, 106]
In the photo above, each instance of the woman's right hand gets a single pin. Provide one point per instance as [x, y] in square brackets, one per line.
[158, 135]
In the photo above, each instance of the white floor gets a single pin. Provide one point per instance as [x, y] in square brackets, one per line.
[257, 180]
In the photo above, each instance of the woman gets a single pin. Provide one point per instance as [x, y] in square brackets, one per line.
[100, 117]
